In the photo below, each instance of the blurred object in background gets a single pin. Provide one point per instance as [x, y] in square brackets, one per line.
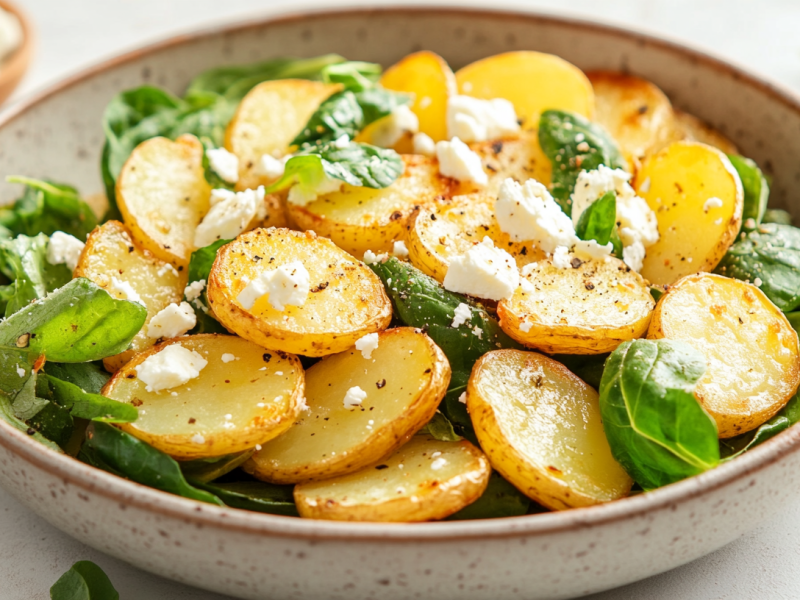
[15, 48]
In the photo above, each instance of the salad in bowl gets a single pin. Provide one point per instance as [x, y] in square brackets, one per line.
[316, 288]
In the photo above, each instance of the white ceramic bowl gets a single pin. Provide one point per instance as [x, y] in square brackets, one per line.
[57, 135]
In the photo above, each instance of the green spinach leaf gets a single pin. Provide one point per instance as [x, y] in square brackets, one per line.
[54, 423]
[756, 190]
[599, 222]
[204, 470]
[789, 415]
[776, 215]
[7, 414]
[46, 207]
[90, 377]
[84, 581]
[353, 75]
[440, 428]
[254, 495]
[199, 269]
[501, 499]
[90, 406]
[656, 428]
[134, 459]
[26, 404]
[574, 144]
[79, 322]
[770, 253]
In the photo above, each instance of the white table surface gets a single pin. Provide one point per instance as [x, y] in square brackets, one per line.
[760, 34]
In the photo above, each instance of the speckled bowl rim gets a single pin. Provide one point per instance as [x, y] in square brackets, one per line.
[95, 481]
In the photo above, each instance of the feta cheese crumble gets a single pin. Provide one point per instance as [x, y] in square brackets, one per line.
[750, 223]
[198, 439]
[169, 368]
[370, 258]
[194, 289]
[757, 282]
[354, 397]
[302, 194]
[528, 212]
[456, 160]
[271, 167]
[367, 345]
[124, 290]
[231, 213]
[64, 249]
[438, 463]
[288, 284]
[400, 250]
[483, 271]
[223, 163]
[475, 120]
[424, 144]
[172, 321]
[20, 370]
[228, 357]
[525, 326]
[463, 398]
[712, 202]
[391, 128]
[462, 315]
[561, 258]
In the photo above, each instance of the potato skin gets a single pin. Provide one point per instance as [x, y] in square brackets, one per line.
[743, 336]
[264, 427]
[349, 296]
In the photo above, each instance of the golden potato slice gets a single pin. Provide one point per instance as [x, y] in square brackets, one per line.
[269, 117]
[244, 396]
[751, 350]
[449, 228]
[698, 200]
[404, 379]
[532, 81]
[358, 219]
[519, 158]
[346, 299]
[589, 308]
[689, 128]
[430, 79]
[425, 480]
[163, 194]
[540, 427]
[111, 252]
[634, 111]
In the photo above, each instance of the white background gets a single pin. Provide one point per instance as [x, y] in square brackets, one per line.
[759, 34]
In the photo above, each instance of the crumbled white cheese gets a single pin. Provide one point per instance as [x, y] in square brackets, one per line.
[271, 167]
[475, 120]
[424, 144]
[438, 463]
[633, 255]
[750, 223]
[354, 397]
[367, 345]
[169, 368]
[224, 163]
[591, 250]
[370, 258]
[390, 129]
[20, 371]
[477, 332]
[11, 33]
[462, 315]
[483, 271]
[400, 250]
[463, 398]
[230, 216]
[288, 284]
[302, 194]
[301, 405]
[194, 289]
[712, 202]
[525, 326]
[757, 282]
[172, 321]
[228, 357]
[167, 268]
[591, 185]
[561, 258]
[529, 212]
[456, 160]
[124, 290]
[64, 249]
[343, 141]
[198, 439]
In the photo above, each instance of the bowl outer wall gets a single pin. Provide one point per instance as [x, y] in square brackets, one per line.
[58, 135]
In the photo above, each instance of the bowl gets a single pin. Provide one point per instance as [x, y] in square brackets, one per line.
[13, 68]
[248, 555]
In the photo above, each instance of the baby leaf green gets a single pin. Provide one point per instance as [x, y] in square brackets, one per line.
[776, 215]
[84, 405]
[441, 428]
[789, 415]
[501, 499]
[756, 190]
[200, 265]
[656, 428]
[84, 581]
[254, 495]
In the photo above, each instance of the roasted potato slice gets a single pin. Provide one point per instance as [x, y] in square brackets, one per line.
[532, 81]
[589, 308]
[346, 299]
[358, 219]
[404, 379]
[425, 480]
[691, 129]
[430, 79]
[163, 194]
[751, 350]
[698, 200]
[243, 397]
[519, 158]
[540, 427]
[111, 252]
[451, 227]
[634, 111]
[269, 117]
